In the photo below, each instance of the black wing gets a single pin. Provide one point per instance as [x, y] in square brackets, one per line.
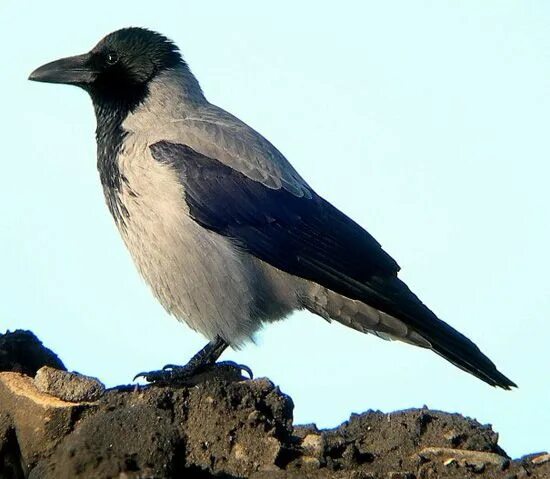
[310, 238]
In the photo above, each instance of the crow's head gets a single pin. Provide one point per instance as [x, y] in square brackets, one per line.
[119, 68]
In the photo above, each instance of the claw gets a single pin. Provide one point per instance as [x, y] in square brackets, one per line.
[154, 376]
[140, 375]
[169, 373]
[247, 370]
[240, 367]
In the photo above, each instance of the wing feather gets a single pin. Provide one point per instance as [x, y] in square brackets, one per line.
[215, 133]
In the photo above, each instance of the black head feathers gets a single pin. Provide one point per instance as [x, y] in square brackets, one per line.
[141, 52]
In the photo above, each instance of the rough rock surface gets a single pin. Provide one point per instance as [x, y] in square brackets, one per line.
[72, 387]
[227, 429]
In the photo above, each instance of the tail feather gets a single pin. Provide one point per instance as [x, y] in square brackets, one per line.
[444, 339]
[463, 353]
[400, 315]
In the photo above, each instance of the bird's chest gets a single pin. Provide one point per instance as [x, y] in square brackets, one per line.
[183, 263]
[150, 212]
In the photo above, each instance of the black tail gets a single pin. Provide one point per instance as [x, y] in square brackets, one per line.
[463, 353]
[395, 298]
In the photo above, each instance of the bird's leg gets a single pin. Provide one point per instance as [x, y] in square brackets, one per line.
[206, 356]
[202, 362]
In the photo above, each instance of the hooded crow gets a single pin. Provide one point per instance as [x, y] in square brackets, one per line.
[223, 229]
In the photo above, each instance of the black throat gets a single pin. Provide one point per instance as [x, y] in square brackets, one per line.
[110, 135]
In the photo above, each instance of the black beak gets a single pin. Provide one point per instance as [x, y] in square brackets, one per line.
[71, 71]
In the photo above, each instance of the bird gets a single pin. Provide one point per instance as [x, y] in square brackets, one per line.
[223, 229]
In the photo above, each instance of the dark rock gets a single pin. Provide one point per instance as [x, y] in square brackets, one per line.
[22, 352]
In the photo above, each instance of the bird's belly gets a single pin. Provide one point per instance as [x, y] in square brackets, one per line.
[197, 275]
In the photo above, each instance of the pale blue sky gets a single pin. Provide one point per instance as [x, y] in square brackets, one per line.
[427, 122]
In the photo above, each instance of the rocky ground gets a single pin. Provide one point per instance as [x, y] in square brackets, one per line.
[56, 424]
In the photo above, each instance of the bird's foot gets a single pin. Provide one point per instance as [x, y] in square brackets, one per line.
[192, 374]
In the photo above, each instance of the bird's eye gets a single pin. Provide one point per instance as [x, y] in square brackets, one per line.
[112, 58]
